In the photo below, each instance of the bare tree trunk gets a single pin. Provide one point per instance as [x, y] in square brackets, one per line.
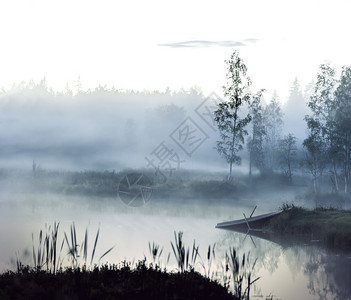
[250, 166]
[335, 178]
[233, 145]
[314, 185]
[333, 184]
[289, 170]
[230, 171]
[347, 170]
[314, 173]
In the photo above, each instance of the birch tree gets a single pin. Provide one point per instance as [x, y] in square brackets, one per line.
[230, 123]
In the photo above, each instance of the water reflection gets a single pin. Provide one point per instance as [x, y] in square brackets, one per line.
[287, 269]
[295, 271]
[329, 275]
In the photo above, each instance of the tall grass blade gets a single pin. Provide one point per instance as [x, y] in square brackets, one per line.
[39, 250]
[85, 246]
[95, 243]
[155, 251]
[108, 251]
[34, 255]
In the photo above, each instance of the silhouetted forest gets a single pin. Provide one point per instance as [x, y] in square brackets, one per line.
[111, 129]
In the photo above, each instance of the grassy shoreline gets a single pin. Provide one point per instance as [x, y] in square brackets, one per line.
[331, 227]
[186, 184]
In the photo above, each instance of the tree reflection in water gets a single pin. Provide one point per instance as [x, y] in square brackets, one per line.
[329, 274]
[319, 274]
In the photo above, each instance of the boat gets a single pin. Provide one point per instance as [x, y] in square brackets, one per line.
[249, 224]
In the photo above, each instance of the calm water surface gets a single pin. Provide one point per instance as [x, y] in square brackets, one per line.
[287, 272]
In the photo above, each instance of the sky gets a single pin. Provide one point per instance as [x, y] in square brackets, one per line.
[178, 44]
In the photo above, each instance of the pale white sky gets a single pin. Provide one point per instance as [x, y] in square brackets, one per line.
[155, 44]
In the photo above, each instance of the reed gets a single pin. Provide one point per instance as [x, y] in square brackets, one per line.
[241, 271]
[155, 252]
[182, 254]
[194, 254]
[72, 246]
[46, 253]
[179, 251]
[211, 256]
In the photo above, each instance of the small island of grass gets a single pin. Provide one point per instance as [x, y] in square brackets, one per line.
[330, 226]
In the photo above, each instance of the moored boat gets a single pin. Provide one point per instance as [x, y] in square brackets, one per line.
[251, 223]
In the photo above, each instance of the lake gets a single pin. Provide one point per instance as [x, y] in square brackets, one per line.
[286, 271]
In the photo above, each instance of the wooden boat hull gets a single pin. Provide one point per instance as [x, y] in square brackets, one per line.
[253, 223]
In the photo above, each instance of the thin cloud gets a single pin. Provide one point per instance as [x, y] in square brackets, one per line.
[205, 43]
[251, 40]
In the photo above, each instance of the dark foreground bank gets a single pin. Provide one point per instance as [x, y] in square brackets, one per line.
[109, 282]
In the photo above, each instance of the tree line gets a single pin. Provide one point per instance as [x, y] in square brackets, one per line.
[244, 120]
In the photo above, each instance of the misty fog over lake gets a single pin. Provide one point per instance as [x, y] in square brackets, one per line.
[100, 129]
[65, 157]
[203, 146]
